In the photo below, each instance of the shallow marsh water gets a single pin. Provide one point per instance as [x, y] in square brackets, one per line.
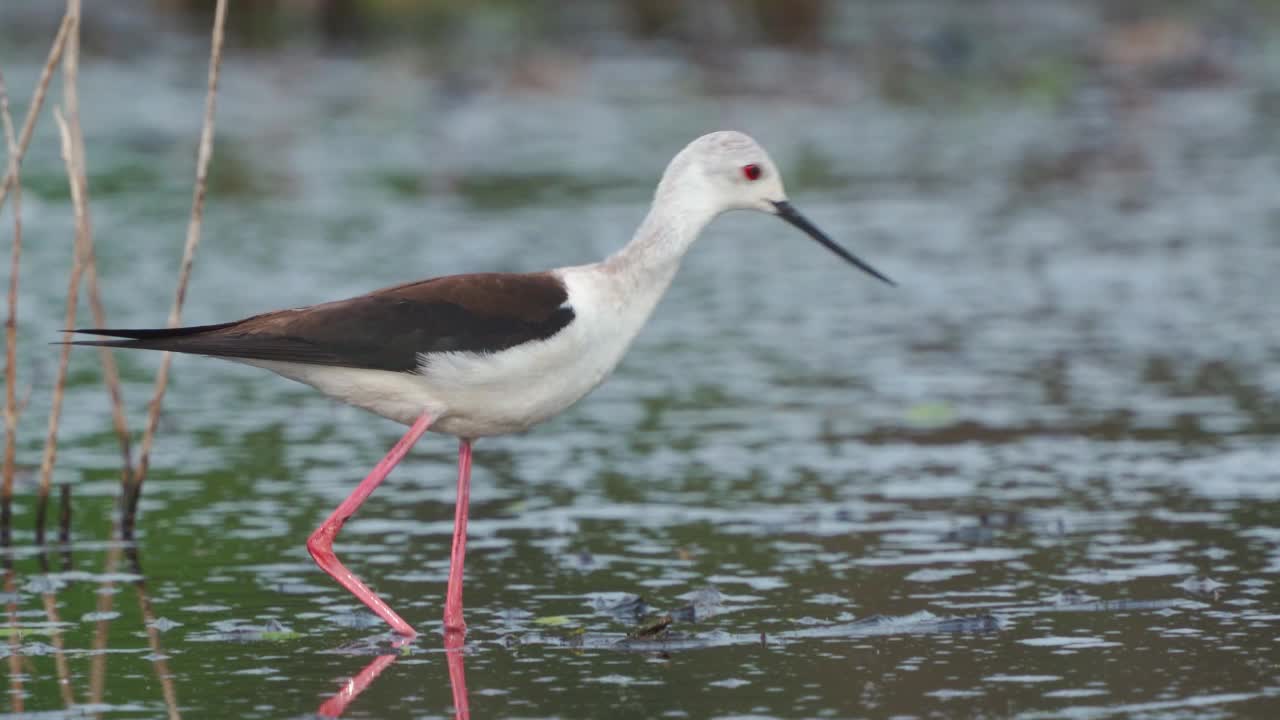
[1038, 479]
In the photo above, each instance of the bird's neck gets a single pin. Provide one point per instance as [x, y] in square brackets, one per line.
[629, 284]
[676, 219]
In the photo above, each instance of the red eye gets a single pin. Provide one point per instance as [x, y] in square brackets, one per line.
[751, 172]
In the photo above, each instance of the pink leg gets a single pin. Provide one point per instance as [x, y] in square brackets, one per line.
[453, 596]
[320, 544]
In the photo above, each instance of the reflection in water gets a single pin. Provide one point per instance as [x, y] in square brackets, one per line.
[455, 651]
[158, 658]
[455, 654]
[24, 647]
[50, 600]
[102, 627]
[336, 705]
[15, 654]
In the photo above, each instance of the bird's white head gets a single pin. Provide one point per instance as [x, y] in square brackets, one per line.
[728, 170]
[736, 171]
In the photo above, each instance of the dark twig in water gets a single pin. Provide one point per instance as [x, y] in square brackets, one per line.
[130, 501]
[64, 518]
[73, 292]
[11, 410]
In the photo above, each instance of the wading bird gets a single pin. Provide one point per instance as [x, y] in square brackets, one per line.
[489, 353]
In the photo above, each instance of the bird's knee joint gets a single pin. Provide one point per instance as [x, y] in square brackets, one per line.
[320, 545]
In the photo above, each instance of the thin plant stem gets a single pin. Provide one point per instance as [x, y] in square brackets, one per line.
[73, 291]
[184, 269]
[11, 410]
[17, 148]
[33, 110]
[71, 105]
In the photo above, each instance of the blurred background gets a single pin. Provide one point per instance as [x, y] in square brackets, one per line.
[1060, 428]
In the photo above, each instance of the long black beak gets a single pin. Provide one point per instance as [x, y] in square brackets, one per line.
[787, 212]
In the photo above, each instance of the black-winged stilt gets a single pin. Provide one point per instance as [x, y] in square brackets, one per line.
[489, 353]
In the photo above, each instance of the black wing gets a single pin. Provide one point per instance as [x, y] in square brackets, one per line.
[385, 330]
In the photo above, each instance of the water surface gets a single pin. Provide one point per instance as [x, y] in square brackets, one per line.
[1038, 479]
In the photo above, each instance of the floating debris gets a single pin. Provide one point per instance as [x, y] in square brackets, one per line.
[653, 628]
[553, 620]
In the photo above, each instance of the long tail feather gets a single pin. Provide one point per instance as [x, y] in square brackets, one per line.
[212, 340]
[147, 333]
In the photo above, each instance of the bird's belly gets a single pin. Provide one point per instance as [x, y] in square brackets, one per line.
[482, 412]
[513, 390]
[397, 396]
[468, 394]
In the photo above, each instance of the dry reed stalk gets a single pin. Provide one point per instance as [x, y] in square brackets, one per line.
[16, 149]
[11, 410]
[71, 104]
[73, 292]
[33, 110]
[184, 270]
